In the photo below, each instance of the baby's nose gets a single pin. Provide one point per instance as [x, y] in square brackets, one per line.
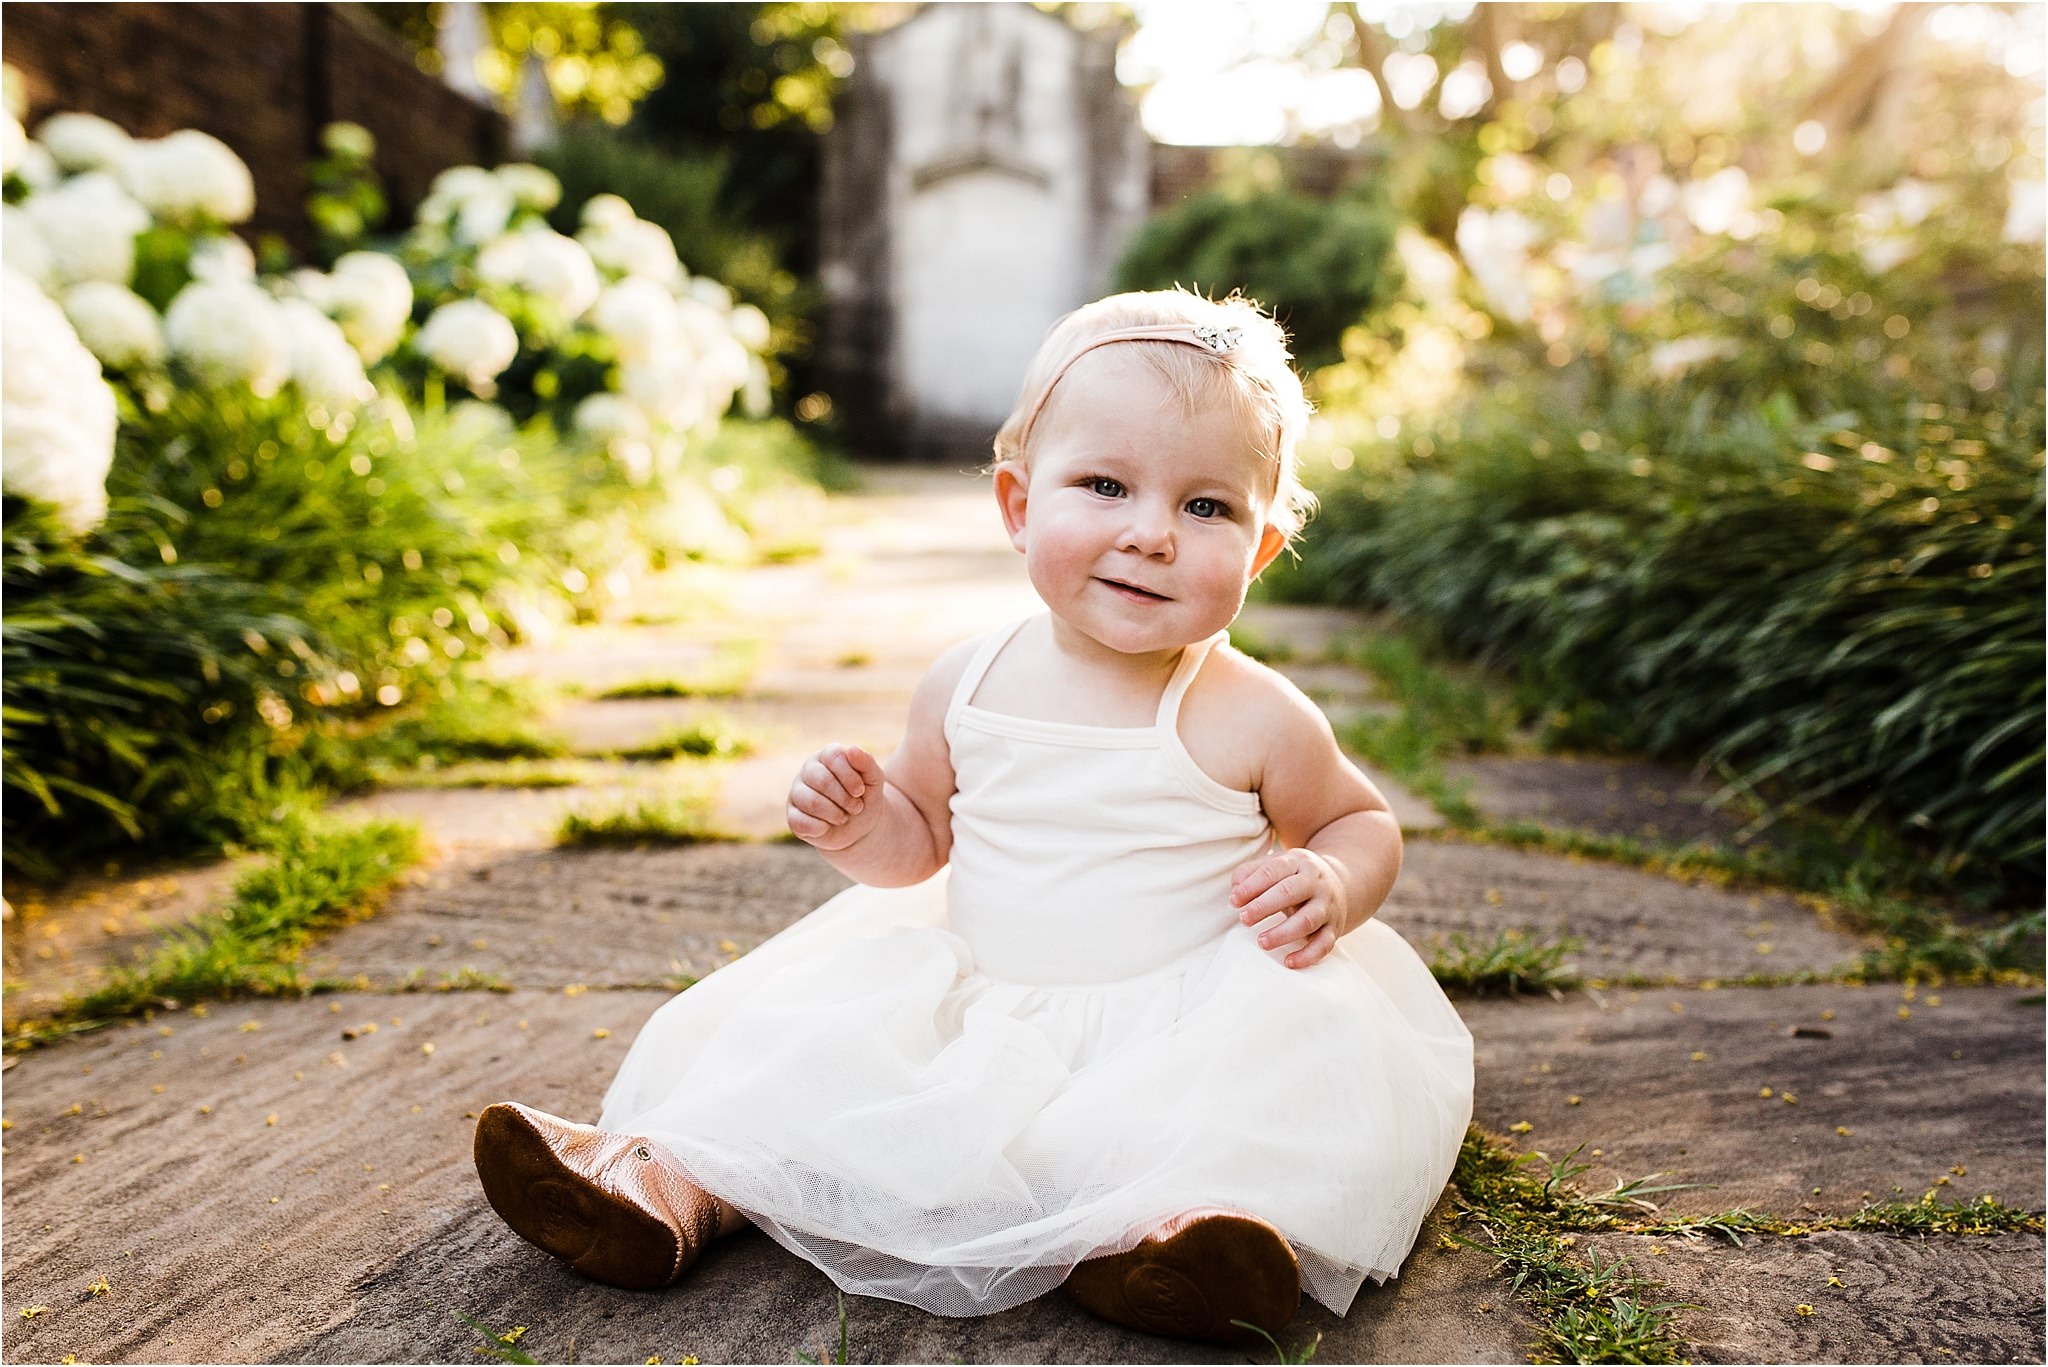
[1150, 531]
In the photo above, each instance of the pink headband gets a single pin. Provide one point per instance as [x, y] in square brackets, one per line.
[1217, 340]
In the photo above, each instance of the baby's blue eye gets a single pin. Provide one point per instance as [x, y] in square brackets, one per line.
[1208, 507]
[1108, 488]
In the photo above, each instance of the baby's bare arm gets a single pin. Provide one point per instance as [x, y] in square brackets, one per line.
[1341, 844]
[885, 824]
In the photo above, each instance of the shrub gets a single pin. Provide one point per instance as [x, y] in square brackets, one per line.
[1320, 265]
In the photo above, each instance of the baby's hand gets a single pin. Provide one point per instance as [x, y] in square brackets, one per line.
[837, 797]
[1301, 884]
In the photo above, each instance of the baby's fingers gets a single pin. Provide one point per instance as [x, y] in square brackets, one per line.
[1255, 877]
[839, 761]
[809, 802]
[819, 776]
[1315, 951]
[1288, 892]
[867, 766]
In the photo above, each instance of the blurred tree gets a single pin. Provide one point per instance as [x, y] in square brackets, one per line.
[595, 59]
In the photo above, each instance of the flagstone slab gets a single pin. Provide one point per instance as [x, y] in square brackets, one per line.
[1637, 798]
[1939, 1298]
[551, 918]
[748, 1300]
[1941, 1092]
[1628, 921]
[302, 1189]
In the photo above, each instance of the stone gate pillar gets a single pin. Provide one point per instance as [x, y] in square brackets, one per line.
[983, 173]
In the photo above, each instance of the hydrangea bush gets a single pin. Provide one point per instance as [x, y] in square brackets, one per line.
[242, 504]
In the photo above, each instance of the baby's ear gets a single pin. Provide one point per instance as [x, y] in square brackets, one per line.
[1271, 542]
[1012, 482]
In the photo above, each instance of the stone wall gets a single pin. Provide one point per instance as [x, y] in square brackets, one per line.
[263, 78]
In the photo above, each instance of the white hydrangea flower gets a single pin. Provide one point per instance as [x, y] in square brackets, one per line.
[222, 256]
[313, 287]
[230, 331]
[324, 366]
[607, 211]
[711, 293]
[705, 326]
[13, 145]
[470, 340]
[637, 248]
[57, 416]
[13, 91]
[23, 248]
[189, 175]
[370, 295]
[89, 225]
[543, 261]
[750, 325]
[639, 316]
[84, 142]
[532, 187]
[37, 168]
[612, 417]
[484, 214]
[668, 387]
[116, 324]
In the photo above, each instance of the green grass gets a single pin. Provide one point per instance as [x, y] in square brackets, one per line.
[319, 877]
[505, 1347]
[709, 737]
[1280, 1353]
[1507, 964]
[1259, 647]
[726, 676]
[464, 979]
[518, 773]
[668, 819]
[1529, 1213]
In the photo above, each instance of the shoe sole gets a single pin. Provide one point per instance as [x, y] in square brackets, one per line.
[1194, 1283]
[599, 1234]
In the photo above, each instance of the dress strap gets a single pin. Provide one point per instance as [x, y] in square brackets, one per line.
[977, 666]
[1191, 658]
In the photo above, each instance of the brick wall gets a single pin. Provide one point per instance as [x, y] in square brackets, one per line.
[263, 78]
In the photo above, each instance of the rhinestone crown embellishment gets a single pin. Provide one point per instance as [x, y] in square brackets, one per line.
[1219, 340]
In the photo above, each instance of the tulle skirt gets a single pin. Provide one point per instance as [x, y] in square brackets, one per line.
[923, 1132]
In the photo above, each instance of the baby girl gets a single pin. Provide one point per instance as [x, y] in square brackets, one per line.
[1107, 1007]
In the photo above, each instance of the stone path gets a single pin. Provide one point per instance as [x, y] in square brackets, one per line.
[279, 1181]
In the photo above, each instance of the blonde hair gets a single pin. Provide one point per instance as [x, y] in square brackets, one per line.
[1252, 375]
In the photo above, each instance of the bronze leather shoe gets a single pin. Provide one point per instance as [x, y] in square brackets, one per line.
[1193, 1276]
[612, 1206]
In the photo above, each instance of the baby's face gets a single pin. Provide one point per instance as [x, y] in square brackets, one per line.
[1141, 524]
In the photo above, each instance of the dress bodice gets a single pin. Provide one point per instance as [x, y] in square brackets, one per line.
[1088, 853]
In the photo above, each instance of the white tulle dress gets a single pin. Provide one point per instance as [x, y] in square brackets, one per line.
[949, 1094]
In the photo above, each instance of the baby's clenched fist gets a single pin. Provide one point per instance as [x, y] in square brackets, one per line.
[837, 797]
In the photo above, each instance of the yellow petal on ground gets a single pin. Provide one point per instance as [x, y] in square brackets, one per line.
[206, 1110]
[728, 946]
[1789, 1099]
[1677, 1008]
[600, 1033]
[99, 1287]
[1844, 1131]
[29, 1312]
[1573, 1100]
[1521, 1127]
[1905, 1013]
[270, 1119]
[1765, 1093]
[1828, 1014]
[1960, 1171]
[78, 1158]
[1802, 1310]
[427, 1048]
[1834, 1281]
[247, 1027]
[575, 989]
[1699, 1056]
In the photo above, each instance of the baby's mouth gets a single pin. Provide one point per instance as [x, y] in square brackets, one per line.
[1135, 591]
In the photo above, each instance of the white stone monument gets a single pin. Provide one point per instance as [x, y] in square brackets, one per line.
[983, 173]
